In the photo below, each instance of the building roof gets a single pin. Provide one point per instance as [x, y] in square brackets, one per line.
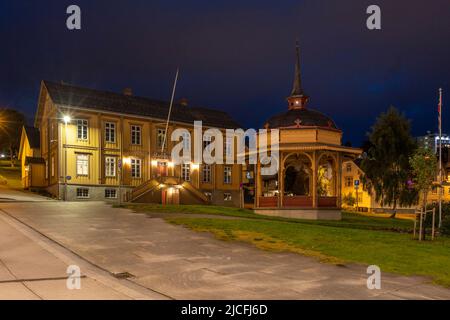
[78, 97]
[33, 137]
[298, 118]
[35, 160]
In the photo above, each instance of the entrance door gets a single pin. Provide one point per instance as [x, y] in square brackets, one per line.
[170, 196]
[162, 169]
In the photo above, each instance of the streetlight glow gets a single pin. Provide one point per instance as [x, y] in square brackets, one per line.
[66, 119]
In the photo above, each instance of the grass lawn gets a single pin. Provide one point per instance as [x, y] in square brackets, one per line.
[10, 176]
[357, 238]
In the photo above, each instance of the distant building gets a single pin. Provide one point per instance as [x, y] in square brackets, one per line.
[431, 141]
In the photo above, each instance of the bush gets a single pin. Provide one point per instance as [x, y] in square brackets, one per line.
[349, 199]
[445, 229]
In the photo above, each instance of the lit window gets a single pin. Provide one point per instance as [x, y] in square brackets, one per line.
[82, 164]
[82, 129]
[135, 168]
[228, 147]
[206, 173]
[227, 196]
[208, 196]
[206, 141]
[136, 135]
[110, 193]
[110, 166]
[186, 140]
[186, 172]
[348, 181]
[82, 193]
[349, 167]
[227, 174]
[160, 136]
[110, 132]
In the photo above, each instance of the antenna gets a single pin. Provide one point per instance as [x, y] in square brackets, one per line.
[170, 110]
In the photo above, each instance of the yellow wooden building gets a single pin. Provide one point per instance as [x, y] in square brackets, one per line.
[98, 145]
[33, 166]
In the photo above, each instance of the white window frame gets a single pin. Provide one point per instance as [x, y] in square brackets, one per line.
[82, 165]
[136, 168]
[110, 191]
[110, 132]
[227, 196]
[207, 139]
[227, 174]
[186, 172]
[186, 140]
[160, 133]
[82, 129]
[110, 166]
[82, 191]
[206, 173]
[136, 134]
[228, 147]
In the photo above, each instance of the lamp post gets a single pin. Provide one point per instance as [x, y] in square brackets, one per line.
[66, 120]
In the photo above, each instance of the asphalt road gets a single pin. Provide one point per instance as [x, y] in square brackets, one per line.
[164, 261]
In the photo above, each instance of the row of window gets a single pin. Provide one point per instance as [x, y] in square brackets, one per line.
[136, 136]
[83, 193]
[82, 163]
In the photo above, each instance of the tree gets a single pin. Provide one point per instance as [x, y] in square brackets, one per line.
[424, 166]
[386, 166]
[11, 122]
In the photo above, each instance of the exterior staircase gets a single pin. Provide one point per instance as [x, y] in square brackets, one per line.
[155, 183]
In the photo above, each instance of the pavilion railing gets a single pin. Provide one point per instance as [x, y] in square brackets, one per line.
[297, 201]
[327, 202]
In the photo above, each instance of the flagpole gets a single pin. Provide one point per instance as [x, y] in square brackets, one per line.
[440, 157]
[170, 111]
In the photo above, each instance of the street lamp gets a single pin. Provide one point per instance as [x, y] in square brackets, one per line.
[66, 120]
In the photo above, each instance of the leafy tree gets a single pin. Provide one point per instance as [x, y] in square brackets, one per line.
[424, 166]
[386, 165]
[11, 122]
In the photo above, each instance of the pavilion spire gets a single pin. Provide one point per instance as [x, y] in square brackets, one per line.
[298, 98]
[297, 89]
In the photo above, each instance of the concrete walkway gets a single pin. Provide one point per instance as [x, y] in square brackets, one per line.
[182, 264]
[34, 267]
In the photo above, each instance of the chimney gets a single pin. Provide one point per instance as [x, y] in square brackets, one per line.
[183, 102]
[127, 91]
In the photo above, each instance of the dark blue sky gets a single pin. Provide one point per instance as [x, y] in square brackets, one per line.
[237, 55]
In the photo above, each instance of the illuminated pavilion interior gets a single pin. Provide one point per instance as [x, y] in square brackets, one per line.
[308, 182]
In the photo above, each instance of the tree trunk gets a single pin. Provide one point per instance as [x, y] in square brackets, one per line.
[11, 156]
[424, 229]
[394, 209]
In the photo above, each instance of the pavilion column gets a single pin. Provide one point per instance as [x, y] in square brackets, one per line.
[280, 181]
[339, 181]
[314, 177]
[258, 183]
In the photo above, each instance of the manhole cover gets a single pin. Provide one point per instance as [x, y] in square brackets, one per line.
[123, 275]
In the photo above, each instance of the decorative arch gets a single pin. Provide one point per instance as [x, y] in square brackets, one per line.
[297, 174]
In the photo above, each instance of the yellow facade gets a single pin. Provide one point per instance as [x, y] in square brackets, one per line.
[76, 159]
[366, 199]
